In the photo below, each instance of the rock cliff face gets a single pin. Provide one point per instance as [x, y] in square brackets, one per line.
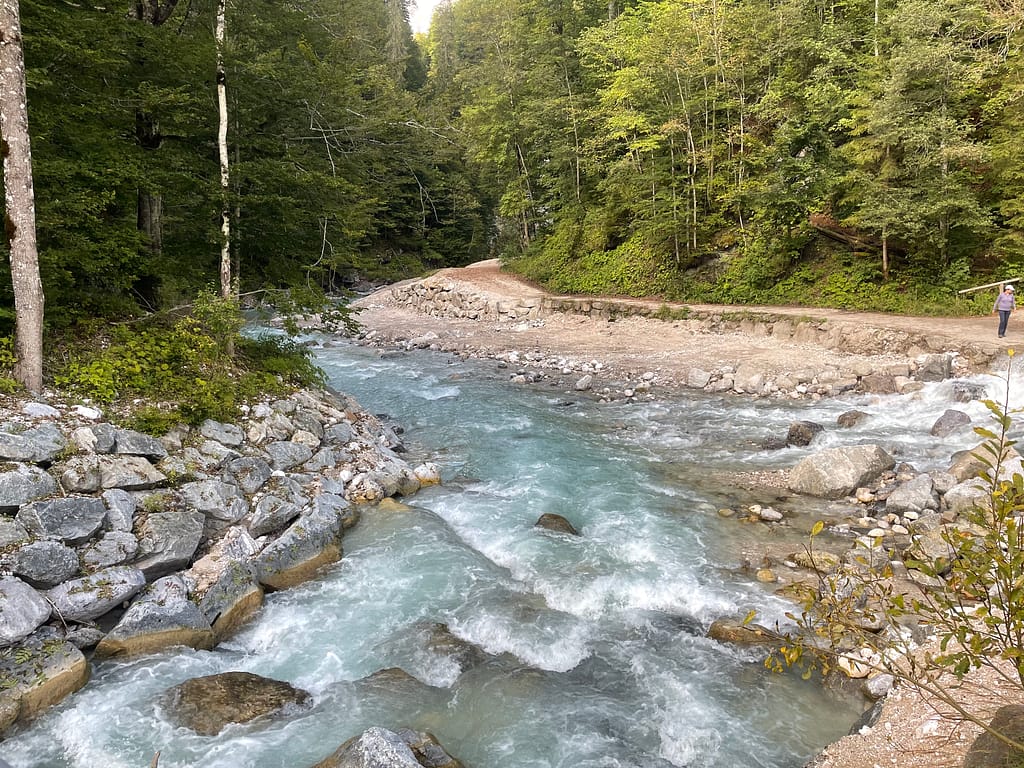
[170, 541]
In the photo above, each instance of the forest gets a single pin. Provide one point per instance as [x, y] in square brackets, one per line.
[854, 153]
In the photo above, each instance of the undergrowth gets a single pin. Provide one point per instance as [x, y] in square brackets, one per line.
[192, 368]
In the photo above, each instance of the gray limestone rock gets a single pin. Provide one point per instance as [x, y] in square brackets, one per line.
[39, 445]
[837, 472]
[250, 473]
[965, 496]
[43, 564]
[89, 597]
[272, 514]
[949, 422]
[310, 542]
[43, 670]
[24, 484]
[697, 378]
[160, 617]
[121, 507]
[73, 519]
[325, 458]
[216, 500]
[307, 420]
[851, 418]
[230, 435]
[128, 442]
[112, 548]
[935, 367]
[105, 437]
[374, 748]
[286, 455]
[338, 434]
[231, 597]
[915, 495]
[333, 504]
[22, 609]
[86, 474]
[167, 541]
[11, 532]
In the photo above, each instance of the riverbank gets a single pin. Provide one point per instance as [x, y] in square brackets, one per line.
[481, 312]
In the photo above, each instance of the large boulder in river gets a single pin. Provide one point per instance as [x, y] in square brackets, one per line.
[802, 433]
[551, 522]
[380, 748]
[43, 671]
[208, 704]
[949, 422]
[225, 582]
[736, 632]
[161, 617]
[22, 610]
[312, 541]
[837, 472]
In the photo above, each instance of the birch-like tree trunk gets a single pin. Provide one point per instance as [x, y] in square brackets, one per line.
[222, 149]
[19, 199]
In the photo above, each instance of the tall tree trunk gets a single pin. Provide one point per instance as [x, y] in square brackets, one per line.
[19, 199]
[150, 204]
[222, 149]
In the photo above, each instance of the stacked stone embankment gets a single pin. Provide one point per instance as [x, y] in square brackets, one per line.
[119, 543]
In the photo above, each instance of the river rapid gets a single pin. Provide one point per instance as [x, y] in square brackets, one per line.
[590, 650]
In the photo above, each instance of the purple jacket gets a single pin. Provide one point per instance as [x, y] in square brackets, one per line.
[1005, 303]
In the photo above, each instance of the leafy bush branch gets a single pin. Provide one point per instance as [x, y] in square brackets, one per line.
[969, 597]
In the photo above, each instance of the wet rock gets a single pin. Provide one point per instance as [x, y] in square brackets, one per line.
[584, 383]
[935, 367]
[552, 522]
[735, 632]
[167, 541]
[966, 391]
[230, 594]
[312, 541]
[43, 564]
[90, 597]
[160, 617]
[73, 519]
[381, 748]
[838, 472]
[208, 704]
[38, 445]
[24, 484]
[802, 433]
[427, 474]
[851, 418]
[43, 671]
[22, 610]
[949, 422]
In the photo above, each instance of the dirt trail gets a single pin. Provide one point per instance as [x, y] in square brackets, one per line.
[633, 344]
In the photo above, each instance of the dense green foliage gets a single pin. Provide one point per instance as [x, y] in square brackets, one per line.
[197, 366]
[335, 170]
[707, 150]
[857, 153]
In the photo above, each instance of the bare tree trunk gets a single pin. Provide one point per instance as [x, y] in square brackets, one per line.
[885, 254]
[222, 148]
[19, 198]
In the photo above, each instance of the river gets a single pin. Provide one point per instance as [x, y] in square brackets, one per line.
[585, 652]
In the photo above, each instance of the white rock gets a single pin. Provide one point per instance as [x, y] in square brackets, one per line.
[87, 412]
[40, 411]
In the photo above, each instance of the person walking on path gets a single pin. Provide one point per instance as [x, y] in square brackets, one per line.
[1005, 304]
